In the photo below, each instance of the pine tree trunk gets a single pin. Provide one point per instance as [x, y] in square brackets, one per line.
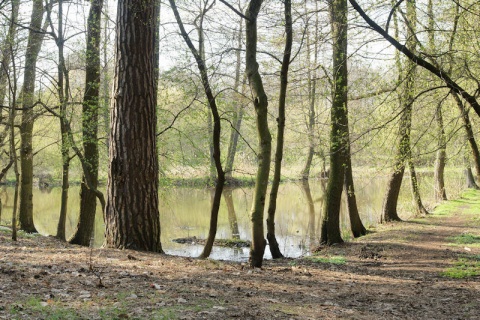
[260, 103]
[330, 233]
[88, 198]
[131, 216]
[34, 45]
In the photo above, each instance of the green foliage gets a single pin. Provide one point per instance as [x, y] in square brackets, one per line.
[466, 238]
[465, 267]
[327, 259]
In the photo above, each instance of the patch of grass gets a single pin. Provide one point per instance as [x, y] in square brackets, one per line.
[465, 267]
[328, 259]
[466, 238]
[468, 203]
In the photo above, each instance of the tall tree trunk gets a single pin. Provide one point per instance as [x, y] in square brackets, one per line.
[131, 216]
[88, 198]
[312, 87]
[35, 39]
[238, 108]
[6, 51]
[260, 102]
[330, 233]
[199, 56]
[272, 205]
[389, 210]
[63, 91]
[441, 156]
[356, 225]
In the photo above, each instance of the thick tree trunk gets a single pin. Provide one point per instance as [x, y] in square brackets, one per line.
[88, 198]
[34, 45]
[131, 216]
[260, 103]
[470, 179]
[330, 233]
[272, 206]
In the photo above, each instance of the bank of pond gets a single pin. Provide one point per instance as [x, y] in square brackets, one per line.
[185, 213]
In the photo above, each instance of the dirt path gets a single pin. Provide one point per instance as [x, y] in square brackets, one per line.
[393, 273]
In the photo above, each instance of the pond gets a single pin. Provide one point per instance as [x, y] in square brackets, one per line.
[185, 213]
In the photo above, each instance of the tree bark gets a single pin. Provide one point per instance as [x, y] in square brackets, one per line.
[272, 206]
[232, 216]
[311, 211]
[131, 216]
[330, 233]
[35, 39]
[91, 98]
[260, 102]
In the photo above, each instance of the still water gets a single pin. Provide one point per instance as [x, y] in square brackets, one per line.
[185, 212]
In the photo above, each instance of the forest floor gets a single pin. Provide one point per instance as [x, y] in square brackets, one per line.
[427, 268]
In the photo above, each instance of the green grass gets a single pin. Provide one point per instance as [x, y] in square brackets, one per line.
[466, 238]
[327, 259]
[465, 267]
[468, 203]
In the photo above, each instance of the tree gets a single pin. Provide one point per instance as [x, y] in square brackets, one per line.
[272, 205]
[131, 216]
[330, 233]
[35, 39]
[91, 99]
[199, 56]
[260, 102]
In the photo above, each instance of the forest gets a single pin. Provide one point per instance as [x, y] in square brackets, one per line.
[240, 130]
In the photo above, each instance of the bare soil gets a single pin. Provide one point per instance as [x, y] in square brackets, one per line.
[395, 272]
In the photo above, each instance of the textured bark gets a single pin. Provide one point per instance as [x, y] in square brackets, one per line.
[330, 233]
[131, 216]
[34, 45]
[260, 102]
[6, 52]
[88, 198]
[470, 179]
[272, 205]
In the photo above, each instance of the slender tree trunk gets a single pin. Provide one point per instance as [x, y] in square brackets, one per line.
[356, 225]
[440, 159]
[34, 45]
[312, 87]
[199, 56]
[131, 216]
[416, 189]
[63, 99]
[6, 51]
[311, 211]
[88, 198]
[232, 216]
[260, 103]
[238, 112]
[339, 125]
[272, 206]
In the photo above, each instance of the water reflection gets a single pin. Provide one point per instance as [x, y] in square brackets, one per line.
[185, 212]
